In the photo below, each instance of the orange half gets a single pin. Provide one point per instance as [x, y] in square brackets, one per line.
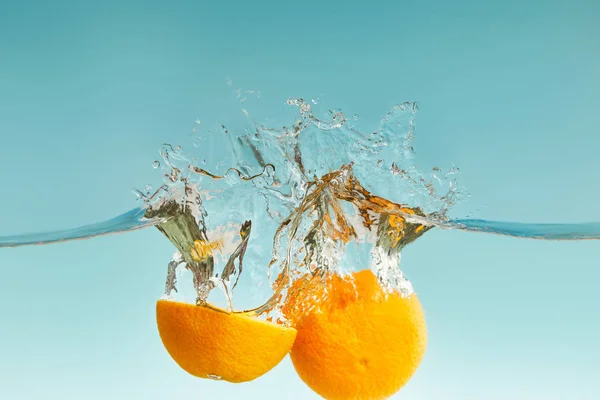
[210, 343]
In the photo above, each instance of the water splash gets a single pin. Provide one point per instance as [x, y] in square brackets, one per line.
[130, 221]
[322, 190]
[316, 204]
[562, 232]
[134, 220]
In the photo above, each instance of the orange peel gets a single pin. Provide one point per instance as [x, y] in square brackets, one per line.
[355, 341]
[208, 342]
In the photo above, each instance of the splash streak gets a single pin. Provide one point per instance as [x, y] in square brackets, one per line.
[129, 221]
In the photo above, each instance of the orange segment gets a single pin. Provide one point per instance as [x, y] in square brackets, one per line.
[356, 341]
[209, 343]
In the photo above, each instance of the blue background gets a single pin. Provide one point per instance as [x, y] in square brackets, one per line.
[508, 92]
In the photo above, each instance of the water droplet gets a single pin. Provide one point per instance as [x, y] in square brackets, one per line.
[355, 117]
[156, 164]
[304, 107]
[214, 377]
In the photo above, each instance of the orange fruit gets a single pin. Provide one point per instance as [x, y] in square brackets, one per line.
[355, 341]
[208, 342]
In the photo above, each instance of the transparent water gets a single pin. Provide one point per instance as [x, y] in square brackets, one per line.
[321, 188]
[134, 220]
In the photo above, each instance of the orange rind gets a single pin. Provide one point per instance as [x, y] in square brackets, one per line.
[354, 341]
[208, 342]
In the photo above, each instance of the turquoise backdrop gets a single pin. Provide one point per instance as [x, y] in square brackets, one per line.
[508, 91]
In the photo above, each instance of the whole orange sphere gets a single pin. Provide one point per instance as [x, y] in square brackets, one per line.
[354, 340]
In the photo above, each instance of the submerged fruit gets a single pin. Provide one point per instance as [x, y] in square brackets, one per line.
[355, 341]
[210, 343]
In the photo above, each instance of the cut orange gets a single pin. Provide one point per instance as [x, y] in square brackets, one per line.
[210, 343]
[354, 340]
